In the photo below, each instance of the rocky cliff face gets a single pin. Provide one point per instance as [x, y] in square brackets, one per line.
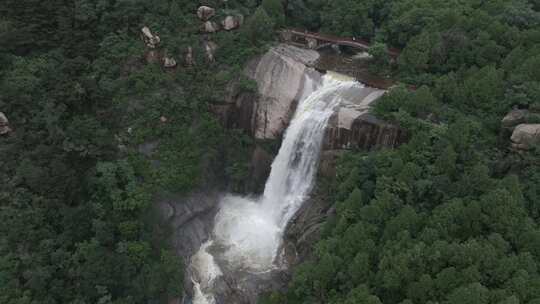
[365, 132]
[191, 219]
[283, 76]
[353, 127]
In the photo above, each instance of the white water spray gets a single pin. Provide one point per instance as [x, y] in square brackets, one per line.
[249, 232]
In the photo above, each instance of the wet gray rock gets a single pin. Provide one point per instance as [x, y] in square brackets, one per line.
[191, 219]
[365, 132]
[303, 230]
[261, 161]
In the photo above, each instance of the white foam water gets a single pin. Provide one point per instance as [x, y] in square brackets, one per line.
[249, 231]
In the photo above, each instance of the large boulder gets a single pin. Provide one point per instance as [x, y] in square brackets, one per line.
[151, 40]
[210, 27]
[525, 136]
[514, 118]
[205, 12]
[311, 43]
[4, 124]
[232, 22]
[169, 62]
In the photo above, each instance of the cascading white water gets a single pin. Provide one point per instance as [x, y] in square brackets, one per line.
[249, 232]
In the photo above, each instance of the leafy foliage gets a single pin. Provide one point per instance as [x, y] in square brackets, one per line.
[451, 216]
[97, 132]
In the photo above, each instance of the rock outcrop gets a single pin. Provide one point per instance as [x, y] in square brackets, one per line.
[365, 132]
[283, 76]
[514, 118]
[232, 22]
[259, 169]
[4, 124]
[210, 48]
[525, 136]
[353, 127]
[205, 12]
[189, 60]
[303, 230]
[169, 62]
[154, 54]
[151, 40]
[521, 125]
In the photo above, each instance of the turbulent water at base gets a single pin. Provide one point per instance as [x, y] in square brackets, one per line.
[248, 232]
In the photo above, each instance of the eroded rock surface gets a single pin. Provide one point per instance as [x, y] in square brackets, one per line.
[283, 76]
[190, 217]
[525, 136]
[205, 12]
[303, 230]
[514, 118]
[151, 40]
[232, 22]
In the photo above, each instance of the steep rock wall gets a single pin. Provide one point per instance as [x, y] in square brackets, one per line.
[283, 75]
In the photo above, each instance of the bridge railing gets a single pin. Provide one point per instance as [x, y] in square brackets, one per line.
[288, 35]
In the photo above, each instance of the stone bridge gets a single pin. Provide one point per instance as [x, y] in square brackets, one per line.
[317, 41]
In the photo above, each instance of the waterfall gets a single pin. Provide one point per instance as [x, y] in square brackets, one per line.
[248, 232]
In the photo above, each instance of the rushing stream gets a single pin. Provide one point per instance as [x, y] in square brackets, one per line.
[248, 232]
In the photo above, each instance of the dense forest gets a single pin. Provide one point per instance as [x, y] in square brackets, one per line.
[452, 216]
[77, 219]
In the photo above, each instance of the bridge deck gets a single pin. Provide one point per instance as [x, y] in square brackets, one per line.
[355, 43]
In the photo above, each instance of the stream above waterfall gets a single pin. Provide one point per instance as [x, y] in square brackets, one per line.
[247, 233]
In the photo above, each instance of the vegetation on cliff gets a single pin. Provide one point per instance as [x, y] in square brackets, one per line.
[80, 167]
[452, 216]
